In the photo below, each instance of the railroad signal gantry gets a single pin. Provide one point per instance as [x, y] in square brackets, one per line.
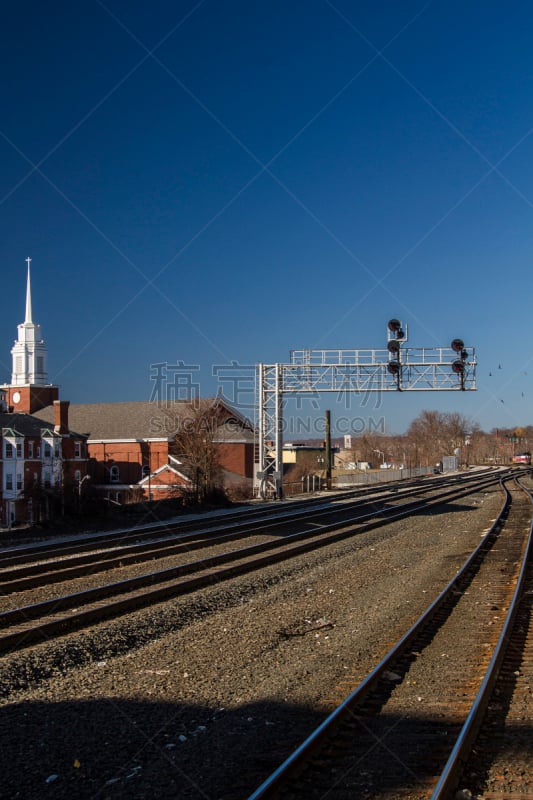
[394, 368]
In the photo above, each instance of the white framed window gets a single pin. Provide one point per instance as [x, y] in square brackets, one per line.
[30, 449]
[77, 449]
[8, 450]
[19, 449]
[47, 450]
[19, 481]
[77, 476]
[9, 481]
[114, 474]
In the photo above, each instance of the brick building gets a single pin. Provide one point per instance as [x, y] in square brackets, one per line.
[42, 465]
[133, 450]
[129, 451]
[42, 462]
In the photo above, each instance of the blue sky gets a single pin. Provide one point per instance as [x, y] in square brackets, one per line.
[214, 182]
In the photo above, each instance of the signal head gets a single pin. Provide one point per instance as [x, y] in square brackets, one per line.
[458, 345]
[395, 327]
[393, 346]
[458, 367]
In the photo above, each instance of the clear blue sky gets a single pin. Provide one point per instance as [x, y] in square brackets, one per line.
[210, 182]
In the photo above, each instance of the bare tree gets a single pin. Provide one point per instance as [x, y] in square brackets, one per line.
[195, 446]
[437, 433]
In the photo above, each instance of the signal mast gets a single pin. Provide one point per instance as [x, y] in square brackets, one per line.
[396, 368]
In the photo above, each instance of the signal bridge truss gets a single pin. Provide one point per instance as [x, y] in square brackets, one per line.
[396, 368]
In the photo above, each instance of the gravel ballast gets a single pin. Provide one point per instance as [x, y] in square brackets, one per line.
[201, 697]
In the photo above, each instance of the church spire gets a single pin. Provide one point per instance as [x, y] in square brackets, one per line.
[29, 390]
[28, 295]
[29, 351]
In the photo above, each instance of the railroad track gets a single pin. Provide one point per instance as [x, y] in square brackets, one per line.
[494, 757]
[406, 729]
[29, 568]
[33, 553]
[36, 622]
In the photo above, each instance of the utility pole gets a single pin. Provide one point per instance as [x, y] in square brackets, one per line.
[328, 449]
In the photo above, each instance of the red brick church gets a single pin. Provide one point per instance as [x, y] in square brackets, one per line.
[134, 451]
[125, 452]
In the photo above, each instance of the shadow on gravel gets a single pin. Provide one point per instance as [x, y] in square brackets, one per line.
[447, 508]
[127, 749]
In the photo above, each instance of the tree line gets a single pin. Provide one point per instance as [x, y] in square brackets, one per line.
[435, 434]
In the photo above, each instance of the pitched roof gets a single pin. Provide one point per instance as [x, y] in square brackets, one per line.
[141, 419]
[23, 424]
[148, 480]
[28, 424]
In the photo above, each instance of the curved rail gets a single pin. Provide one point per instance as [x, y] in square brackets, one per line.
[295, 763]
[453, 768]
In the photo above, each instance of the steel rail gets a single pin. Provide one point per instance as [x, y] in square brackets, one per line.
[301, 755]
[22, 553]
[244, 523]
[170, 585]
[452, 771]
[41, 573]
[21, 578]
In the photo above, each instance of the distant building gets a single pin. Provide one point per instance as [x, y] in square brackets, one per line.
[42, 465]
[133, 453]
[294, 453]
[42, 462]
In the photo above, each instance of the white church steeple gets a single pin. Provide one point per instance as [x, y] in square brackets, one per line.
[29, 351]
[28, 294]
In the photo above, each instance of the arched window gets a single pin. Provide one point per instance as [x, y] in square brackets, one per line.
[114, 474]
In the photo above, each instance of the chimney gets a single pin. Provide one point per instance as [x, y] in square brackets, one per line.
[61, 416]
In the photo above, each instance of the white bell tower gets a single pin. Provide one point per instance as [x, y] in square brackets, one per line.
[29, 390]
[29, 351]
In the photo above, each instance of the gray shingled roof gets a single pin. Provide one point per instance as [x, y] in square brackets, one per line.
[136, 420]
[24, 424]
[29, 424]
